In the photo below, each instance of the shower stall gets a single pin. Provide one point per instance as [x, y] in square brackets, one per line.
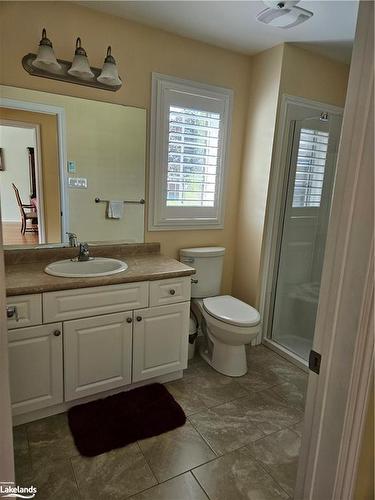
[307, 173]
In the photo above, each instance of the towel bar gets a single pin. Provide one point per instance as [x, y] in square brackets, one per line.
[140, 202]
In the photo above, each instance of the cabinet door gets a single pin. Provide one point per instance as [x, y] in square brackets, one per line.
[36, 370]
[97, 354]
[160, 340]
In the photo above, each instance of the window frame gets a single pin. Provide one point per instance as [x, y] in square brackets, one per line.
[186, 93]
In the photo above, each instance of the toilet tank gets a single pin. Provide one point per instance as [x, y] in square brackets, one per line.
[208, 263]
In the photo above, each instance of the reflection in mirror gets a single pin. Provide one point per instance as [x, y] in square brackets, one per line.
[58, 154]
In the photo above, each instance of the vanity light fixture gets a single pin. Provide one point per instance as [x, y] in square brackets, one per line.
[109, 74]
[46, 59]
[80, 67]
[44, 64]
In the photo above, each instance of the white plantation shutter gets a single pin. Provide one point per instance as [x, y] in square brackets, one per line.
[189, 133]
[310, 171]
[193, 154]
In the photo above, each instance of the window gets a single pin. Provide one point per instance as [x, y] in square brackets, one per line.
[193, 154]
[310, 170]
[189, 135]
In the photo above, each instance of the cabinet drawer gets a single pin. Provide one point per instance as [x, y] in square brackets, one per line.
[170, 291]
[28, 310]
[94, 301]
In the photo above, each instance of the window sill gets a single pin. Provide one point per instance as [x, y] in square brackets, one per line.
[185, 226]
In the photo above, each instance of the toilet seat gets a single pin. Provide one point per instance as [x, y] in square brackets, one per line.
[231, 310]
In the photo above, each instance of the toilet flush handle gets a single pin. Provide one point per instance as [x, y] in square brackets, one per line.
[194, 281]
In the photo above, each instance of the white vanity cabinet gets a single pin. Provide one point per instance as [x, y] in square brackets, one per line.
[95, 340]
[36, 367]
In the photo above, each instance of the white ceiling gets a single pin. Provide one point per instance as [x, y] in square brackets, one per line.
[232, 24]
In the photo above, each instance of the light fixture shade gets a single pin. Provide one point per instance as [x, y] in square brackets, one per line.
[109, 74]
[46, 59]
[80, 67]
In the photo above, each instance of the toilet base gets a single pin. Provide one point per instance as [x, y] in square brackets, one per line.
[226, 359]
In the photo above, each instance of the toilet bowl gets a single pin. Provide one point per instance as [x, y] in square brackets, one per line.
[226, 324]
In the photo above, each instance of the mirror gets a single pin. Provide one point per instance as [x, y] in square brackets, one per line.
[58, 154]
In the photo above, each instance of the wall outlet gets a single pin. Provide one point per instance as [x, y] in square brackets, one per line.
[77, 182]
[72, 167]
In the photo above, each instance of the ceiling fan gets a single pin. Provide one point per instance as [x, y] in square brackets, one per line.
[283, 14]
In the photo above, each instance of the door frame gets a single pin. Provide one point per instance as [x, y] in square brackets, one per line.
[338, 398]
[39, 172]
[6, 428]
[274, 213]
[59, 112]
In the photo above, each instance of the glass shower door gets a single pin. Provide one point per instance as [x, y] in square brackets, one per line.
[314, 143]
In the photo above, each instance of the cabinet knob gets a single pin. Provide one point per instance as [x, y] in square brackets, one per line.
[172, 291]
[57, 333]
[139, 318]
[12, 312]
[129, 320]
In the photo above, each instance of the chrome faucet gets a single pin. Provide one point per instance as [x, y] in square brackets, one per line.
[84, 253]
[73, 241]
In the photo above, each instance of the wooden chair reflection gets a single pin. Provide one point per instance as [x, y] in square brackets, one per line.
[27, 212]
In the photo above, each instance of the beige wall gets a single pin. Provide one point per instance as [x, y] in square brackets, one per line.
[310, 75]
[51, 184]
[139, 50]
[262, 112]
[282, 70]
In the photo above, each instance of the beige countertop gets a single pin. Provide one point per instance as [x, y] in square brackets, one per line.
[26, 275]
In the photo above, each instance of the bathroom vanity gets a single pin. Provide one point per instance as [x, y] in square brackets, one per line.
[75, 340]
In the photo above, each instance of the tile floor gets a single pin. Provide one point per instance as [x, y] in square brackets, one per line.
[241, 441]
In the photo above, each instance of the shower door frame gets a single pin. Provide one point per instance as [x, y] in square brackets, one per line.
[273, 228]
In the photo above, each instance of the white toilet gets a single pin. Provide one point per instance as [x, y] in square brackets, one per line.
[226, 323]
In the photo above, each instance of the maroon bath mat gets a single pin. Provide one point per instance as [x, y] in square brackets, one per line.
[118, 420]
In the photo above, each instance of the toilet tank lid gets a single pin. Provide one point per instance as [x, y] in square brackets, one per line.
[202, 252]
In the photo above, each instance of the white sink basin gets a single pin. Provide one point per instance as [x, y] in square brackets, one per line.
[98, 266]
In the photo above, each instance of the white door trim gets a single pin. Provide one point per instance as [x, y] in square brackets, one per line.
[275, 202]
[359, 393]
[38, 170]
[337, 398]
[6, 433]
[61, 130]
